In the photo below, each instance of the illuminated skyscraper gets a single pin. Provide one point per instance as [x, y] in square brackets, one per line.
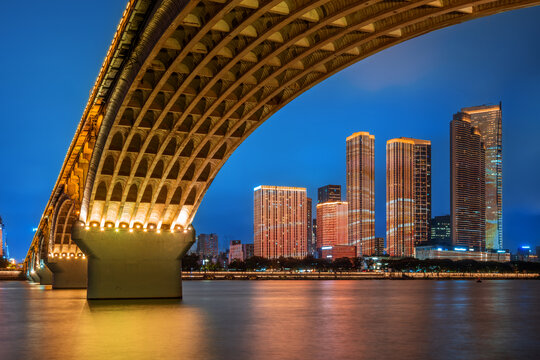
[467, 183]
[311, 245]
[489, 120]
[408, 194]
[280, 221]
[329, 193]
[1, 238]
[332, 224]
[361, 189]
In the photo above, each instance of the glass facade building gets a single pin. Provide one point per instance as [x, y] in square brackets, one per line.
[440, 230]
[360, 163]
[329, 193]
[488, 119]
[280, 221]
[467, 184]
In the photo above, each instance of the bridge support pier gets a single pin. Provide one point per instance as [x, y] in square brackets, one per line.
[33, 276]
[45, 275]
[68, 273]
[135, 263]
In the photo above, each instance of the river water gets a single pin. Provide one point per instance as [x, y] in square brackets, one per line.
[379, 319]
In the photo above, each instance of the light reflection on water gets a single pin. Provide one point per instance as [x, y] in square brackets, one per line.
[279, 320]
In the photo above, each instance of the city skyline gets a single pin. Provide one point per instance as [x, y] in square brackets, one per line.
[22, 208]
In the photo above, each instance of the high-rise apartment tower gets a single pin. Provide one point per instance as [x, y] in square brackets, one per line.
[408, 194]
[280, 221]
[361, 189]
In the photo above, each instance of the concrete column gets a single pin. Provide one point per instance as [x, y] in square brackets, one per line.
[68, 273]
[33, 276]
[135, 263]
[45, 275]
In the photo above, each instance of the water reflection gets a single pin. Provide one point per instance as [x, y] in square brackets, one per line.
[278, 320]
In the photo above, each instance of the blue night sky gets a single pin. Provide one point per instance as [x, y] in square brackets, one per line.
[52, 53]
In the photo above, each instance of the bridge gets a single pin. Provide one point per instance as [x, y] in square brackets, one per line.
[182, 85]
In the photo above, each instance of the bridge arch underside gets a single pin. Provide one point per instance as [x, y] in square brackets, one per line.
[218, 70]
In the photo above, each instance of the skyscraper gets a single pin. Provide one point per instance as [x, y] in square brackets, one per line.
[488, 118]
[467, 183]
[207, 245]
[280, 217]
[408, 194]
[332, 224]
[361, 188]
[329, 193]
[1, 237]
[311, 246]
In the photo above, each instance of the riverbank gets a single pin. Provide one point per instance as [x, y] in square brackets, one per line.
[11, 275]
[285, 275]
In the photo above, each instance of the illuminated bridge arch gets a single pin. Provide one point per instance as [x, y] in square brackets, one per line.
[186, 82]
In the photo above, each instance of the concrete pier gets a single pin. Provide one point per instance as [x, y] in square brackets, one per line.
[45, 275]
[33, 276]
[68, 273]
[134, 263]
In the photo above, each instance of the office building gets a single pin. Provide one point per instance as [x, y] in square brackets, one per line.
[329, 193]
[207, 246]
[488, 119]
[332, 224]
[440, 230]
[280, 221]
[408, 195]
[236, 251]
[360, 163]
[467, 184]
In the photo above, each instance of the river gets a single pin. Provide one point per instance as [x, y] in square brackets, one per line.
[282, 319]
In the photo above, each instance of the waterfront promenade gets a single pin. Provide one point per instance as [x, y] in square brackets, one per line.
[288, 275]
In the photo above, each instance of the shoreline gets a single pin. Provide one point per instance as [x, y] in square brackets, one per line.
[284, 275]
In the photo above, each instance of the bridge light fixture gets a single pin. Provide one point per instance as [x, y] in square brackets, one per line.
[158, 231]
[145, 230]
[130, 230]
[102, 229]
[109, 225]
[116, 229]
[87, 227]
[94, 224]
